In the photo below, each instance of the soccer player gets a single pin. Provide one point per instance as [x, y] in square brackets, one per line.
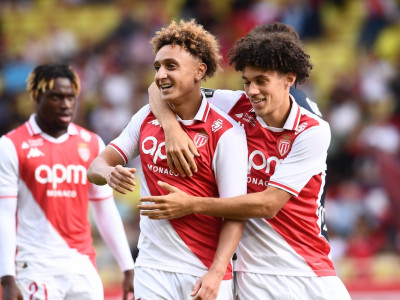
[190, 256]
[46, 247]
[284, 252]
[181, 149]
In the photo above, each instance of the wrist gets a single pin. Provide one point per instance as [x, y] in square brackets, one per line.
[170, 125]
[8, 280]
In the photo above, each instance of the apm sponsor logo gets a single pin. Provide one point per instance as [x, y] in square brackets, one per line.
[151, 147]
[58, 174]
[258, 161]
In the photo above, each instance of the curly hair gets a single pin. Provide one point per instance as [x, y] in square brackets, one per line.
[193, 38]
[275, 27]
[43, 76]
[274, 51]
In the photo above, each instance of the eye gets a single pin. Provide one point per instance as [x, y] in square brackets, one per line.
[261, 81]
[156, 68]
[246, 82]
[171, 66]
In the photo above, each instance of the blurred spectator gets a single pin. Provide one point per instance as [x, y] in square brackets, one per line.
[378, 14]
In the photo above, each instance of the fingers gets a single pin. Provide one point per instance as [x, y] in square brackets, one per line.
[196, 288]
[193, 149]
[121, 179]
[183, 161]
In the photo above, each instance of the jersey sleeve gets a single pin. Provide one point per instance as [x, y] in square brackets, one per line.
[230, 163]
[224, 99]
[127, 143]
[306, 159]
[9, 169]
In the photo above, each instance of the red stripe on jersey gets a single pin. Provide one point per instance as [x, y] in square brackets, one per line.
[8, 197]
[297, 223]
[100, 199]
[296, 122]
[292, 191]
[29, 128]
[206, 112]
[120, 152]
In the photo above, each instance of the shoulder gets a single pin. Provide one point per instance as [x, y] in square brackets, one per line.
[218, 114]
[313, 127]
[85, 134]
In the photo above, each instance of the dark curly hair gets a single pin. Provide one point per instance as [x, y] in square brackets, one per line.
[193, 38]
[43, 76]
[274, 27]
[274, 51]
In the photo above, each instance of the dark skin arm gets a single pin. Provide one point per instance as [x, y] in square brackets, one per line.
[127, 284]
[265, 204]
[179, 146]
[10, 289]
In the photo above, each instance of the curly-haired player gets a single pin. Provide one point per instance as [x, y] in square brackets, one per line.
[186, 258]
[284, 251]
[46, 247]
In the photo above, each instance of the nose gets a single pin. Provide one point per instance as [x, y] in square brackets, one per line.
[252, 89]
[67, 102]
[161, 74]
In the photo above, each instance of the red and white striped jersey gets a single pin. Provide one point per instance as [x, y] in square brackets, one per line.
[292, 158]
[187, 244]
[47, 176]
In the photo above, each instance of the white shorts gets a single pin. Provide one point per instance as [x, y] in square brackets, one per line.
[62, 287]
[277, 287]
[152, 284]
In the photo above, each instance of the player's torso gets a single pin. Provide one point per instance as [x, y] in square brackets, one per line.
[53, 194]
[186, 244]
[280, 245]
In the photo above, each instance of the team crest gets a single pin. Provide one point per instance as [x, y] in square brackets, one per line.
[200, 139]
[84, 151]
[284, 145]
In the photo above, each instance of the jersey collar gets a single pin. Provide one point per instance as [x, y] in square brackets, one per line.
[201, 114]
[33, 127]
[291, 122]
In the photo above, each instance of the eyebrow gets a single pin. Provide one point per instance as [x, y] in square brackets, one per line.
[257, 77]
[166, 60]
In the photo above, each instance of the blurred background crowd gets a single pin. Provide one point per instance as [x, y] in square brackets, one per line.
[354, 47]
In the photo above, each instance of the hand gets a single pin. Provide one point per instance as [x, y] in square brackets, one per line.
[207, 287]
[10, 289]
[121, 178]
[180, 150]
[127, 284]
[174, 205]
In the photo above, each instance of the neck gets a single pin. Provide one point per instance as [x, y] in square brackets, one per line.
[188, 108]
[278, 117]
[48, 129]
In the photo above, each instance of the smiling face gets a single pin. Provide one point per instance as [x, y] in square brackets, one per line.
[178, 76]
[268, 92]
[55, 107]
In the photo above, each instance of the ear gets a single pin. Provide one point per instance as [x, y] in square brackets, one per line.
[290, 78]
[200, 71]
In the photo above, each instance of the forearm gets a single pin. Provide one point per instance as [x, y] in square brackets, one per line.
[265, 204]
[8, 238]
[97, 171]
[231, 232]
[103, 165]
[161, 109]
[111, 228]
